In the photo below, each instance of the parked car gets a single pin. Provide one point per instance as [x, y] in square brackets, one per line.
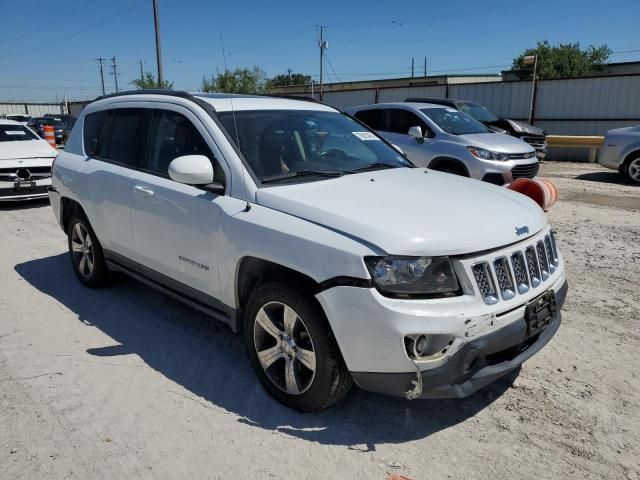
[621, 151]
[526, 132]
[25, 163]
[445, 139]
[66, 129]
[21, 119]
[58, 127]
[337, 259]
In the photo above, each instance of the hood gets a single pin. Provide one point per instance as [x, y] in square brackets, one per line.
[26, 149]
[411, 211]
[517, 127]
[498, 142]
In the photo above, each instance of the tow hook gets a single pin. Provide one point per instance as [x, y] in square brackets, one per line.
[416, 391]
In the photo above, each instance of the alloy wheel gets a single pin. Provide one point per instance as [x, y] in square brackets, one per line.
[82, 250]
[284, 348]
[634, 170]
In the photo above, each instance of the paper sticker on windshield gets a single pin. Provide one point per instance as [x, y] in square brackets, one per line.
[451, 110]
[14, 132]
[365, 135]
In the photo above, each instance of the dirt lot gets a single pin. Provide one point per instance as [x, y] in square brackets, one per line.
[126, 383]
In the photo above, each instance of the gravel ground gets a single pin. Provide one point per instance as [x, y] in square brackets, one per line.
[126, 383]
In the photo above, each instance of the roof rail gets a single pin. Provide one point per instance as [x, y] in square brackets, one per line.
[302, 98]
[157, 91]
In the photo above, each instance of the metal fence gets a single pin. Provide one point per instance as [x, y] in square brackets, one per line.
[31, 109]
[577, 106]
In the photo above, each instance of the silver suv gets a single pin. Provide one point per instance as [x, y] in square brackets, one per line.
[445, 139]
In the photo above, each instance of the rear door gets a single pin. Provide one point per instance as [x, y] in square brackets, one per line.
[176, 226]
[114, 144]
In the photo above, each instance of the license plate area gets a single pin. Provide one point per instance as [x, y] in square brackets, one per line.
[24, 185]
[540, 312]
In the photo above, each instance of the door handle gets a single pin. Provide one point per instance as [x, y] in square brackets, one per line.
[142, 190]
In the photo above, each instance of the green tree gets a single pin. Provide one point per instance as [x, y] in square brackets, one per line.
[149, 81]
[563, 60]
[284, 80]
[240, 80]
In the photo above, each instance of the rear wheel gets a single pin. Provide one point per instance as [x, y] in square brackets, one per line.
[632, 169]
[292, 349]
[86, 253]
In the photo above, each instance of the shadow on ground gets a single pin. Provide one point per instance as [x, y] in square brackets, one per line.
[205, 358]
[605, 177]
[23, 204]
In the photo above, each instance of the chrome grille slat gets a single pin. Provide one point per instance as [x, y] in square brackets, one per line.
[485, 282]
[544, 261]
[555, 248]
[533, 267]
[520, 272]
[504, 278]
[549, 251]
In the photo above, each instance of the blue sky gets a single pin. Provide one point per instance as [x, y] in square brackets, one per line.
[48, 49]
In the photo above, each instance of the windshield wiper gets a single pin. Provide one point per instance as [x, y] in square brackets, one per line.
[374, 166]
[301, 173]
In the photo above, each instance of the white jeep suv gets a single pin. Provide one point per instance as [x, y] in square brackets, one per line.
[336, 258]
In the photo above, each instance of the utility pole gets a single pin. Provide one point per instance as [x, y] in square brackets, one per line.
[413, 64]
[224, 53]
[323, 45]
[114, 71]
[100, 61]
[141, 72]
[156, 20]
[528, 60]
[425, 66]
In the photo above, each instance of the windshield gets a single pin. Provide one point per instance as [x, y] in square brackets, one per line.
[15, 133]
[454, 122]
[18, 118]
[477, 111]
[278, 144]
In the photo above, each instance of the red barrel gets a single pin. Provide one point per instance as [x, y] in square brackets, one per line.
[541, 190]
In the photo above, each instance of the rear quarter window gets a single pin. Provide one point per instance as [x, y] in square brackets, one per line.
[93, 127]
[374, 118]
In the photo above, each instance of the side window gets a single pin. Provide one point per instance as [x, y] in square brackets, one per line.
[123, 140]
[400, 121]
[172, 135]
[93, 128]
[373, 118]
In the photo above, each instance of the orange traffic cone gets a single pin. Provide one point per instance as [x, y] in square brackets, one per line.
[49, 135]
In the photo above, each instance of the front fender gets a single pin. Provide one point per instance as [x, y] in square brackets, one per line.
[313, 250]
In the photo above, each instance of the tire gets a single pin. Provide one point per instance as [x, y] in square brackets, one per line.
[86, 254]
[632, 169]
[289, 348]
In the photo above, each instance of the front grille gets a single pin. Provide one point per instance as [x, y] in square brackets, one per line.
[508, 276]
[486, 285]
[539, 143]
[525, 171]
[10, 192]
[35, 173]
[521, 156]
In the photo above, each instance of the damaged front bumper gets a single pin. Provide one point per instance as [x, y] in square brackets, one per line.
[477, 364]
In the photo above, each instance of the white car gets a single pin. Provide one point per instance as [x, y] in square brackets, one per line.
[21, 119]
[621, 151]
[445, 139]
[25, 163]
[337, 259]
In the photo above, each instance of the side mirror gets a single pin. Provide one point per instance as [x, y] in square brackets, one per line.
[191, 170]
[416, 132]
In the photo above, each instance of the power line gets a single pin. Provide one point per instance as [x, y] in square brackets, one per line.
[332, 69]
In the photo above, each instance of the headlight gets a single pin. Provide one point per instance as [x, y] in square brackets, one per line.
[483, 154]
[412, 276]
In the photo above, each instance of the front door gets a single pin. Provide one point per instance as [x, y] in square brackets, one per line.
[176, 226]
[396, 131]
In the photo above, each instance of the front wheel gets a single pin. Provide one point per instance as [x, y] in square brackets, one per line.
[292, 349]
[86, 253]
[632, 169]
